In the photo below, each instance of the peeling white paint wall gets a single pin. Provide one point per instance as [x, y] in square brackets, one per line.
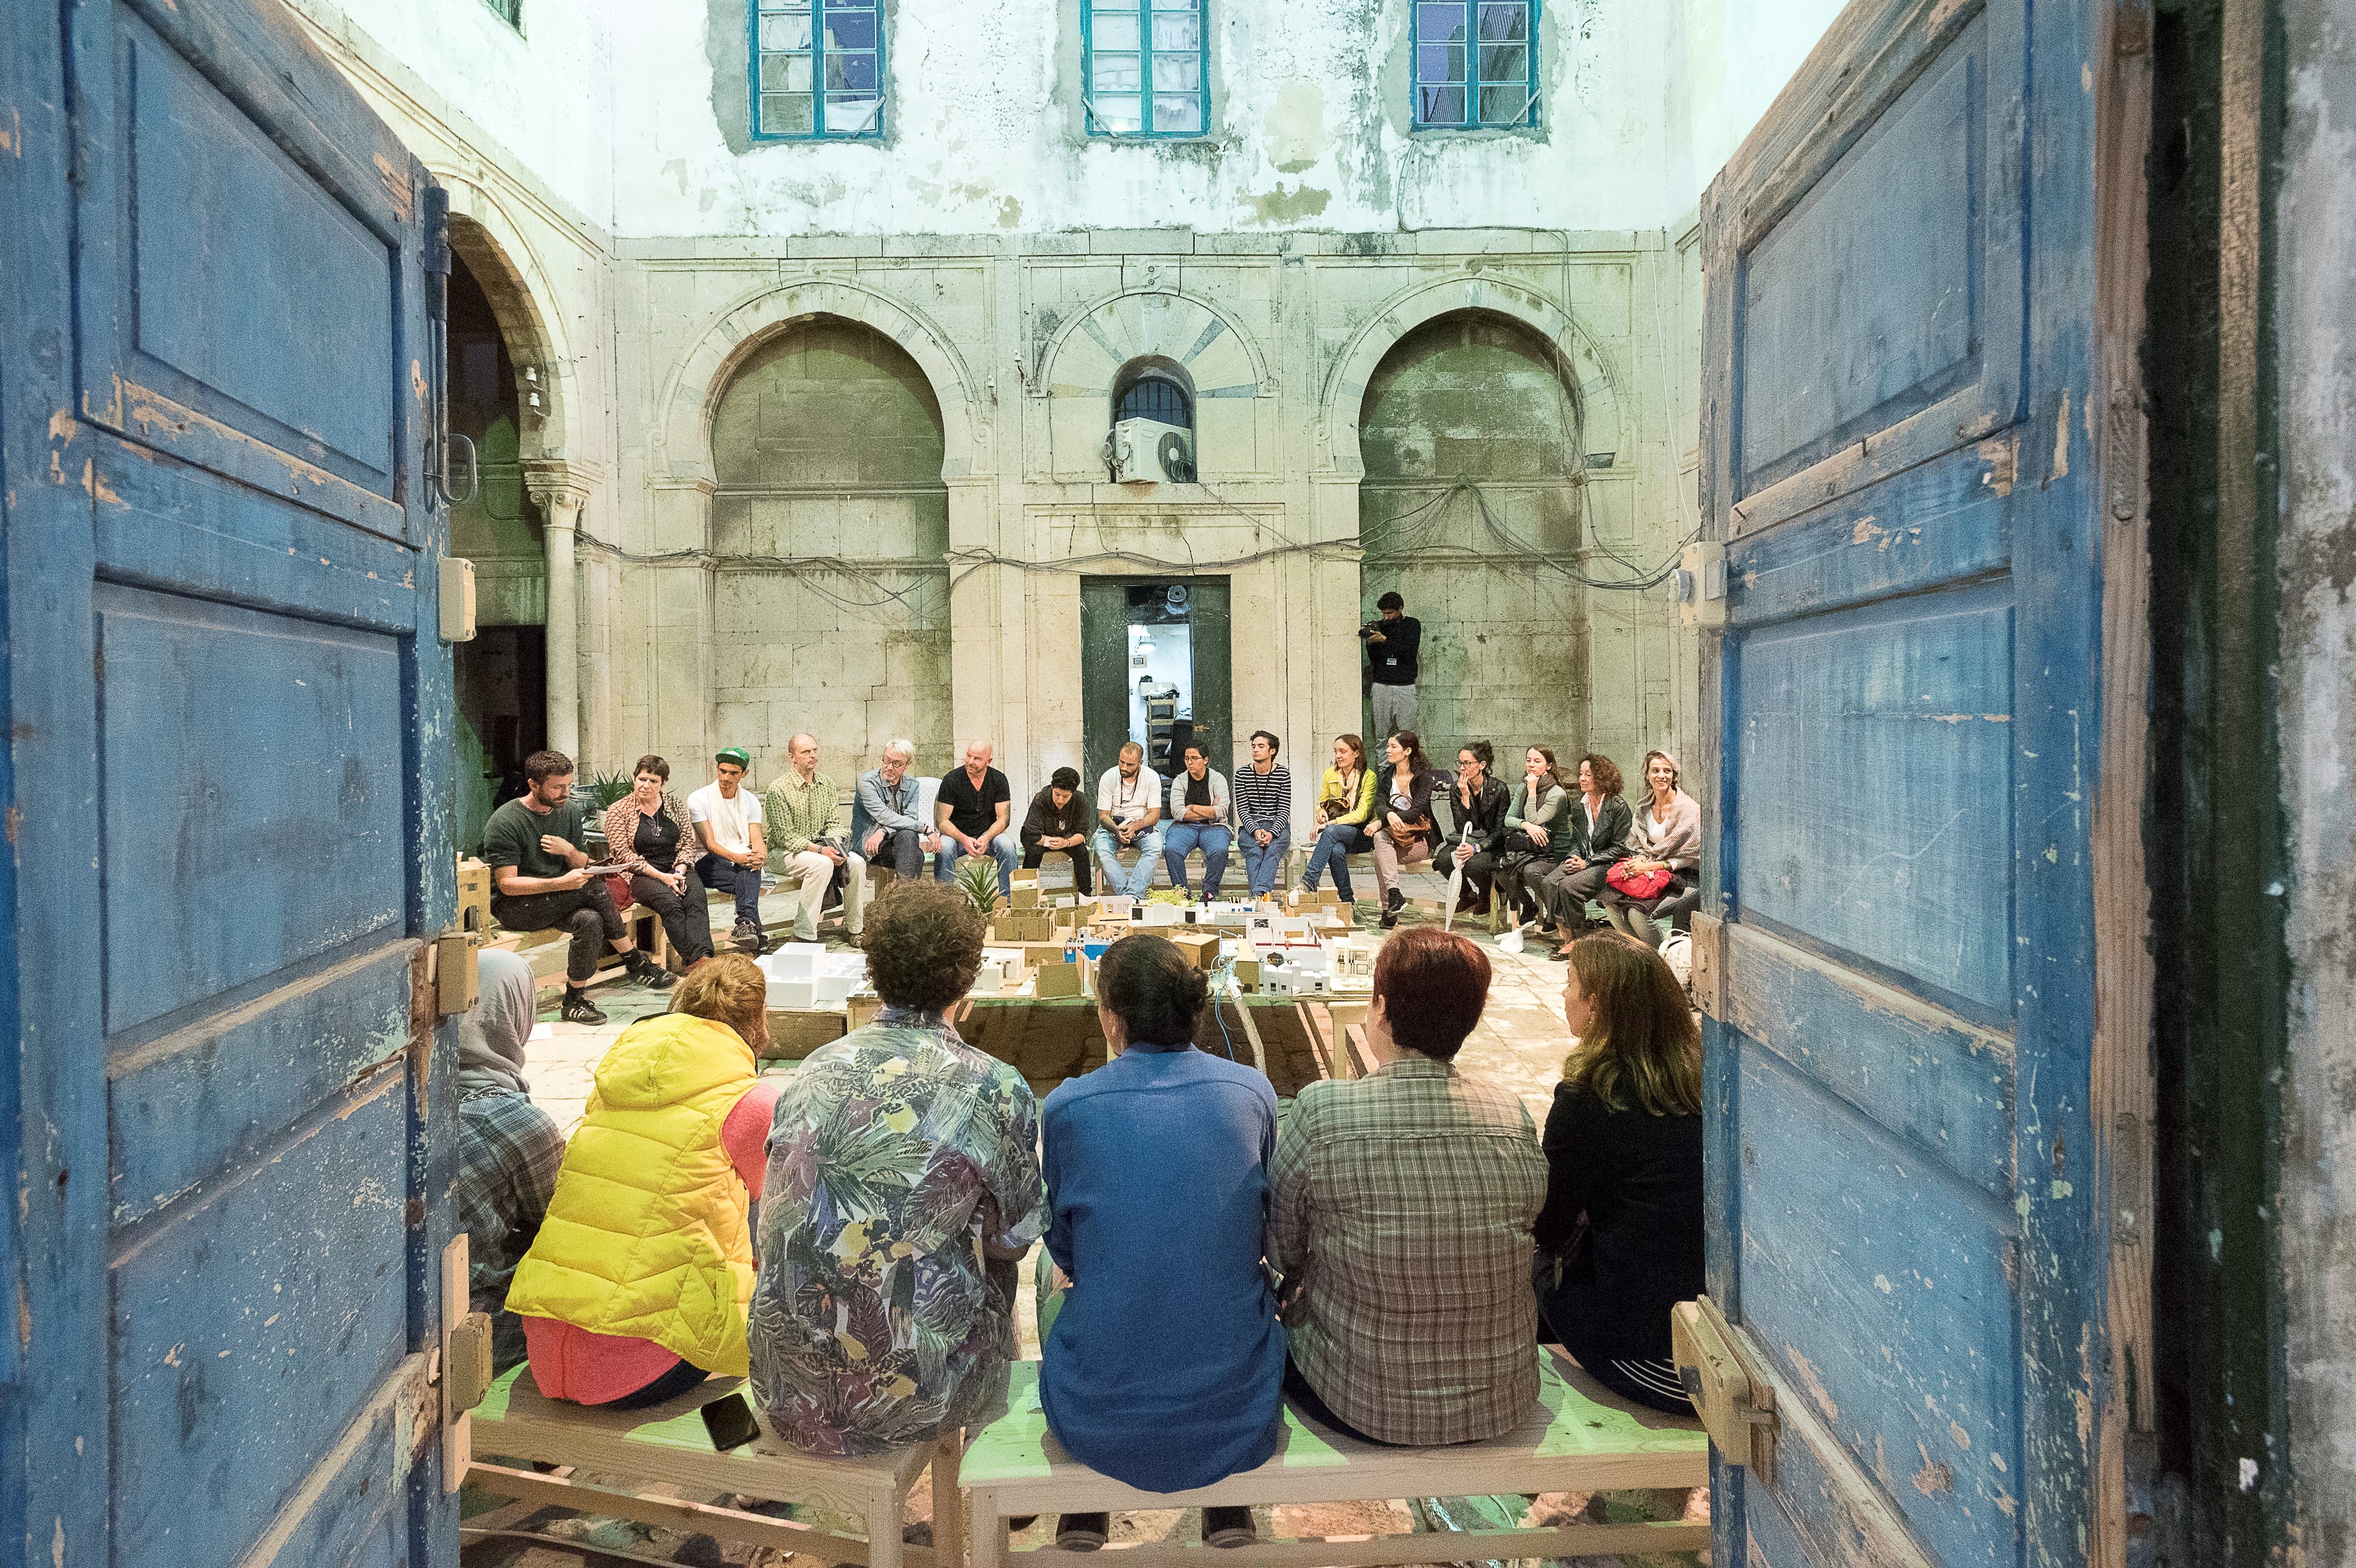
[2316, 555]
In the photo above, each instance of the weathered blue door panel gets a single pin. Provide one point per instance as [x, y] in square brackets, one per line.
[1906, 702]
[229, 803]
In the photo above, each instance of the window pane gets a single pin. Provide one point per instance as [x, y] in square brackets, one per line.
[785, 73]
[1113, 32]
[1115, 73]
[1176, 115]
[782, 115]
[849, 74]
[851, 30]
[1439, 24]
[848, 4]
[1503, 63]
[1438, 62]
[852, 116]
[1175, 73]
[786, 30]
[1505, 23]
[1101, 7]
[1177, 30]
[1177, 6]
[1117, 114]
[1440, 105]
[1505, 105]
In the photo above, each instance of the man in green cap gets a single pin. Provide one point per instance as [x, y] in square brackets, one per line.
[727, 817]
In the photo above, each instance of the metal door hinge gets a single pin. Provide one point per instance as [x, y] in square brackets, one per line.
[1737, 1405]
[462, 1367]
[454, 973]
[1710, 966]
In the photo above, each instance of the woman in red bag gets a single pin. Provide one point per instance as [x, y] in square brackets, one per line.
[1664, 844]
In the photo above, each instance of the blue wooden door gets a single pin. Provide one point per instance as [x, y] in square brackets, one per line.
[1906, 707]
[228, 801]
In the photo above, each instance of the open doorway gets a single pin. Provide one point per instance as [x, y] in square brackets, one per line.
[1154, 669]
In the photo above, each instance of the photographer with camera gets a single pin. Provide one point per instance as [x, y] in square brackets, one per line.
[1392, 643]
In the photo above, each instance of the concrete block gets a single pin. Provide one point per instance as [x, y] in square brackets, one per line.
[1142, 242]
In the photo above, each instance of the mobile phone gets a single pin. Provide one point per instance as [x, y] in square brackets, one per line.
[730, 1422]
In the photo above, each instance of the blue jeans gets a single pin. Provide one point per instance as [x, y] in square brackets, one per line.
[1212, 838]
[728, 877]
[1132, 884]
[1334, 846]
[1264, 863]
[1006, 849]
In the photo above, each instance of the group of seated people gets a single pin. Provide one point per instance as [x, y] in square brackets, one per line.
[1391, 1250]
[1546, 845]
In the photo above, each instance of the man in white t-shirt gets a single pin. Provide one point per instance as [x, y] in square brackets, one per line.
[1129, 817]
[727, 817]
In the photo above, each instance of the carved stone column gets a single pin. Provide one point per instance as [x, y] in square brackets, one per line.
[561, 489]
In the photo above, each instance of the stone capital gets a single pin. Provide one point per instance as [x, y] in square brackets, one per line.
[561, 484]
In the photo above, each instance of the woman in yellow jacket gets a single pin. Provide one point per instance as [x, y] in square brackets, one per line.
[635, 1290]
[1346, 808]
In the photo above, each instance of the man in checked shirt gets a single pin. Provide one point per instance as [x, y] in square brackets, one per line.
[1403, 1201]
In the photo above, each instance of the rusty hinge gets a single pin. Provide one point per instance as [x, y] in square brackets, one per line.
[1737, 1405]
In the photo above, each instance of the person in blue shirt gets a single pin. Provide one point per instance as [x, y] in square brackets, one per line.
[1162, 1359]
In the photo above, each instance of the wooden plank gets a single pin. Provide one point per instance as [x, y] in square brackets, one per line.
[1827, 1500]
[725, 1524]
[1576, 1541]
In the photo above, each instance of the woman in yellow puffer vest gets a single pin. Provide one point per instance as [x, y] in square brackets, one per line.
[635, 1288]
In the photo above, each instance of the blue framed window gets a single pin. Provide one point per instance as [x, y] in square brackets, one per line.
[1476, 64]
[1145, 69]
[818, 68]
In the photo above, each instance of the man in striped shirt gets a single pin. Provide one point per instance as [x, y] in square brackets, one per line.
[1263, 797]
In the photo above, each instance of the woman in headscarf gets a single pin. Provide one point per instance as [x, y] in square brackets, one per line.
[509, 1149]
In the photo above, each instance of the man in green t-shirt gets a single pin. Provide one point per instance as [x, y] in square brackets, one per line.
[541, 881]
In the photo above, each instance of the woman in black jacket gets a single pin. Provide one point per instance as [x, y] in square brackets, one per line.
[1478, 802]
[1404, 830]
[1599, 822]
[1620, 1239]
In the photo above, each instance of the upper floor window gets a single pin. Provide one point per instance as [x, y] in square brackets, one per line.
[818, 68]
[1476, 64]
[1143, 63]
[508, 11]
[1149, 392]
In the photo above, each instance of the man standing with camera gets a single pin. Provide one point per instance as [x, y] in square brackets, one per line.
[1392, 643]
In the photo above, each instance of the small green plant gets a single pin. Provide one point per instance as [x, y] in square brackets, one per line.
[610, 787]
[978, 876]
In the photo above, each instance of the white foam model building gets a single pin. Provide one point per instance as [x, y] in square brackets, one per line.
[804, 974]
[1295, 972]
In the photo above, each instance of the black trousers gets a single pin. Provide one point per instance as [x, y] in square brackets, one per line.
[901, 851]
[587, 912]
[1479, 872]
[1521, 869]
[1082, 876]
[689, 925]
[1566, 893]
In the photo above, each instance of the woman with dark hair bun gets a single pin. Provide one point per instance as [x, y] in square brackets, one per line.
[1599, 830]
[1163, 1364]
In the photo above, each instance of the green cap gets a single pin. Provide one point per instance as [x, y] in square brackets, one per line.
[736, 754]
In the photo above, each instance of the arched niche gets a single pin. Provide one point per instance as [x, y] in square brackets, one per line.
[1223, 370]
[521, 298]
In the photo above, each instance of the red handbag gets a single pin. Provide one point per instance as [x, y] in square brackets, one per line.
[619, 887]
[1637, 884]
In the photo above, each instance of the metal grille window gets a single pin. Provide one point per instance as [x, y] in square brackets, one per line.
[508, 11]
[818, 68]
[1145, 68]
[1476, 64]
[1153, 397]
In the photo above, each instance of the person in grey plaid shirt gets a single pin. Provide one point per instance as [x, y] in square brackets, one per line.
[1404, 1202]
[509, 1149]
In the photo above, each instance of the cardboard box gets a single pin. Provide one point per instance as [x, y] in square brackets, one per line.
[1202, 947]
[1024, 876]
[1059, 979]
[1016, 926]
[1039, 954]
[1246, 973]
[1024, 896]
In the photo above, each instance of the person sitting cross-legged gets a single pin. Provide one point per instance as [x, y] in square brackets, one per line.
[634, 1291]
[1404, 1207]
[1057, 824]
[541, 881]
[1199, 818]
[1162, 1360]
[903, 1189]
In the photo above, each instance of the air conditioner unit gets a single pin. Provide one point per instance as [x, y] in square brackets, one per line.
[1147, 452]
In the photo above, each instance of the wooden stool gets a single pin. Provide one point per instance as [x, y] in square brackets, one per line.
[668, 1444]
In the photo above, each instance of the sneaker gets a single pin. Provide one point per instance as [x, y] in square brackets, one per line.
[1082, 1532]
[1228, 1528]
[1393, 901]
[747, 937]
[578, 1009]
[649, 974]
[1390, 919]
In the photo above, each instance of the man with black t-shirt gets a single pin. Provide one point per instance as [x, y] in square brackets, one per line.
[1392, 643]
[971, 810]
[541, 881]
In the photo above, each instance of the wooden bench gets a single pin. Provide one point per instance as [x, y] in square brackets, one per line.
[667, 1444]
[1581, 1438]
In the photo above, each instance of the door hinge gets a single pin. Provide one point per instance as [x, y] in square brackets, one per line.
[462, 1363]
[454, 973]
[1710, 966]
[1737, 1405]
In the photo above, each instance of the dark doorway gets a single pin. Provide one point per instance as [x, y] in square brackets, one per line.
[502, 674]
[1154, 669]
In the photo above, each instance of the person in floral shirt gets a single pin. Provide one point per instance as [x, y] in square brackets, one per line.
[902, 1185]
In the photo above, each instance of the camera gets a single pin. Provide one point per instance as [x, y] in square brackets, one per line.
[1370, 628]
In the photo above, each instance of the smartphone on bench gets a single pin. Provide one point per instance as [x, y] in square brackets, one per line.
[730, 1422]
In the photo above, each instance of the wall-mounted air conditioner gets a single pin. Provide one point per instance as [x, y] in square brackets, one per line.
[1147, 452]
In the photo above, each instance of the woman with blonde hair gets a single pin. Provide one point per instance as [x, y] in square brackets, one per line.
[1620, 1239]
[636, 1289]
